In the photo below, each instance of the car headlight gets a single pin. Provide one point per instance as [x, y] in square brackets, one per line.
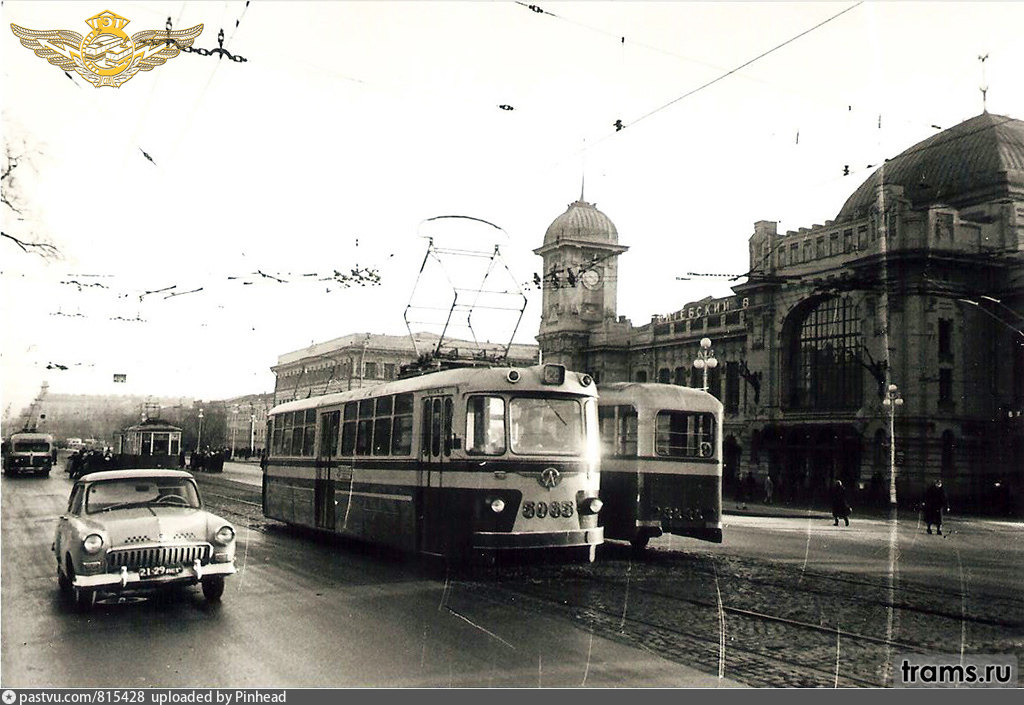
[224, 535]
[92, 543]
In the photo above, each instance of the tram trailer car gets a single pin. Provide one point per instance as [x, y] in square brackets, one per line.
[661, 465]
[454, 462]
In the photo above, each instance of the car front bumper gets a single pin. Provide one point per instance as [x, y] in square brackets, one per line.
[125, 578]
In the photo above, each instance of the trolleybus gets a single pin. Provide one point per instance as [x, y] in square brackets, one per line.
[453, 462]
[661, 466]
[28, 451]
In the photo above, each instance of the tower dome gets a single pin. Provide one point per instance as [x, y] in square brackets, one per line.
[582, 222]
[979, 160]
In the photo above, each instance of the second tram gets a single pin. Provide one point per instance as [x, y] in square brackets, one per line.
[661, 470]
[450, 463]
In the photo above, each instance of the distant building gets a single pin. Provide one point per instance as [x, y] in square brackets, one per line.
[918, 282]
[246, 421]
[362, 359]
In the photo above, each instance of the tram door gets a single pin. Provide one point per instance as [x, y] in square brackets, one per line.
[434, 455]
[323, 484]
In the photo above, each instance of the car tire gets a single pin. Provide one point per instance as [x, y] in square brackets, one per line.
[213, 587]
[63, 583]
[639, 544]
[81, 599]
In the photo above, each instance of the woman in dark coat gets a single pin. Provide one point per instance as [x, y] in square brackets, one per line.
[934, 505]
[840, 507]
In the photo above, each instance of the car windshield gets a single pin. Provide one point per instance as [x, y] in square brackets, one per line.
[109, 495]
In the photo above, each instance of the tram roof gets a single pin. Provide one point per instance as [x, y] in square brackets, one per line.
[658, 394]
[475, 378]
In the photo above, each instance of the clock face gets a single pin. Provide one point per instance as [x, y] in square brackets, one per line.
[590, 278]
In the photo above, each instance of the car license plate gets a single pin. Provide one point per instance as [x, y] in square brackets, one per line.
[158, 570]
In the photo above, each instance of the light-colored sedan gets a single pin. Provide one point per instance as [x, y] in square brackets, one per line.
[140, 530]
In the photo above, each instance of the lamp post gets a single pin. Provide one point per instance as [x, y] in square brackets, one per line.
[891, 402]
[706, 360]
[252, 430]
[199, 441]
[234, 427]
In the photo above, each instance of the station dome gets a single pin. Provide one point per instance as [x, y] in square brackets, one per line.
[582, 221]
[980, 160]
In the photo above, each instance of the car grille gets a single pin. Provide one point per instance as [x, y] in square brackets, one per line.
[150, 556]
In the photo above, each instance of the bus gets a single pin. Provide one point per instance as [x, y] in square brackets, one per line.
[661, 465]
[29, 452]
[455, 463]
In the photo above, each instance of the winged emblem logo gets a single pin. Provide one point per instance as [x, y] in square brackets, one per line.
[107, 56]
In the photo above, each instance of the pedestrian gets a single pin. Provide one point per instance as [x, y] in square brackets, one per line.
[840, 506]
[768, 488]
[934, 504]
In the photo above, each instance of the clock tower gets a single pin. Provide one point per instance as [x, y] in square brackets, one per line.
[579, 282]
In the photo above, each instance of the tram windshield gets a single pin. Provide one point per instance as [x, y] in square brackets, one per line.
[546, 426]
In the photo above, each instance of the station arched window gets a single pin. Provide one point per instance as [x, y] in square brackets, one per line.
[824, 368]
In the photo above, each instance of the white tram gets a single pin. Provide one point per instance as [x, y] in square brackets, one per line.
[661, 466]
[446, 463]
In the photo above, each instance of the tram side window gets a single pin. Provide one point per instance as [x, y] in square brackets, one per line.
[175, 443]
[309, 435]
[485, 426]
[147, 443]
[618, 429]
[681, 434]
[348, 429]
[364, 429]
[276, 435]
[382, 425]
[401, 433]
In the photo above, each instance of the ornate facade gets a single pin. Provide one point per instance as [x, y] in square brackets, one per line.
[917, 282]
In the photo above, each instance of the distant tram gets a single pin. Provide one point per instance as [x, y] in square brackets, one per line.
[661, 466]
[150, 444]
[451, 463]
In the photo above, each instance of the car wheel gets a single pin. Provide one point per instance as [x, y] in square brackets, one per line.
[639, 544]
[63, 583]
[81, 598]
[213, 587]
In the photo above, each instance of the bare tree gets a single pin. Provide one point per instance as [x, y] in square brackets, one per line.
[15, 207]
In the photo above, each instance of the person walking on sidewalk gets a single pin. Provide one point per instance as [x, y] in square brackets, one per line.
[840, 506]
[768, 487]
[934, 504]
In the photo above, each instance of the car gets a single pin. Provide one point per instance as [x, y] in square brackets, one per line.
[129, 531]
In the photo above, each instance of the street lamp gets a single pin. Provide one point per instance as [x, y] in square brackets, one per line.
[891, 402]
[199, 441]
[252, 431]
[705, 360]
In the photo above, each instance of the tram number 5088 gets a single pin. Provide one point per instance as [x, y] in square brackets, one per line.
[543, 509]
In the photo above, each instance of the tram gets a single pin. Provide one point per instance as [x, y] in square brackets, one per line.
[453, 462]
[661, 465]
[151, 444]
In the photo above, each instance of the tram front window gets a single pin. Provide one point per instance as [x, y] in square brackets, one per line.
[546, 426]
[485, 425]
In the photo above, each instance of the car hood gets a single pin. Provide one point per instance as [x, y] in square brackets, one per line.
[138, 525]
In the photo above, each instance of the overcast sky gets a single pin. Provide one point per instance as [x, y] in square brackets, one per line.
[351, 125]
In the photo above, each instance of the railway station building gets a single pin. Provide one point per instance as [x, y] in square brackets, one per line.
[918, 282]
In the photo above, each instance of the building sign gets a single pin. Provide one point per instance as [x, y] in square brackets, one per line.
[709, 308]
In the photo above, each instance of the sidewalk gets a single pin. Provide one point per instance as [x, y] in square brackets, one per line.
[785, 510]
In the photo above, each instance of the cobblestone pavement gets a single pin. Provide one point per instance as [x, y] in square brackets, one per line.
[749, 619]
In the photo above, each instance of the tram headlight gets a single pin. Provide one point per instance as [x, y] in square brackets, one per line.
[497, 505]
[513, 376]
[586, 380]
[591, 505]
